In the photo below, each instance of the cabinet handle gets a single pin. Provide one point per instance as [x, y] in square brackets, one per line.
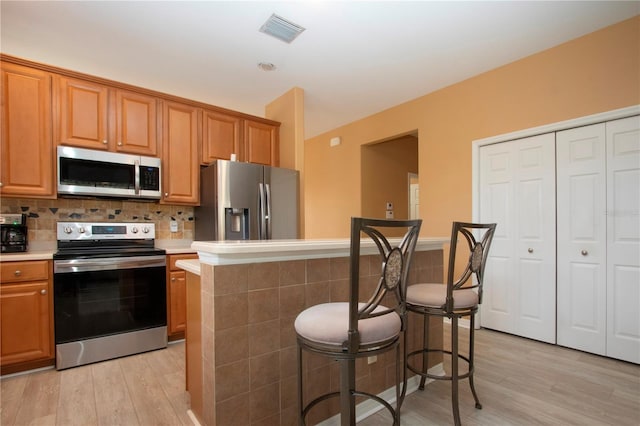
[530, 250]
[0, 184]
[17, 273]
[584, 252]
[173, 279]
[43, 291]
[104, 141]
[166, 194]
[119, 143]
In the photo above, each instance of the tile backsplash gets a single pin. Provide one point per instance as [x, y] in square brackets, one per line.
[42, 215]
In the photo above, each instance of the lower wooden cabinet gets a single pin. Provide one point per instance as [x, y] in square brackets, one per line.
[177, 296]
[26, 312]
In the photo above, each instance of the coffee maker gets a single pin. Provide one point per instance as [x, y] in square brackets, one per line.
[14, 233]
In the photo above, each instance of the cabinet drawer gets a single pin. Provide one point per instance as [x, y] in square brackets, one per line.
[24, 271]
[173, 258]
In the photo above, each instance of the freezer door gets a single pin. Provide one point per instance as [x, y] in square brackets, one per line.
[282, 191]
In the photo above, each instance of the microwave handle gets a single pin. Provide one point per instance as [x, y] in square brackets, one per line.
[137, 177]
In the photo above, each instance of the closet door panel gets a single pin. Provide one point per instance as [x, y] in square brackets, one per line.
[517, 187]
[497, 205]
[581, 195]
[536, 237]
[623, 239]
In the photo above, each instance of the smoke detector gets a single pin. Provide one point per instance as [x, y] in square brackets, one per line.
[266, 66]
[280, 28]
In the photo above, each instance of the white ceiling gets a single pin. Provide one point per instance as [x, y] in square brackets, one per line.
[355, 58]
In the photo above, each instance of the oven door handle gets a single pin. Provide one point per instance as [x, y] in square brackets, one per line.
[107, 263]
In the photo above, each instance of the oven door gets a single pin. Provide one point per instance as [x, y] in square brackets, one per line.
[99, 297]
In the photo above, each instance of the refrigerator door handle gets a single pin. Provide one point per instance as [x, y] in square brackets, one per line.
[268, 214]
[262, 228]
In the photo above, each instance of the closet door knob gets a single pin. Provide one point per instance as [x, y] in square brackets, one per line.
[584, 252]
[530, 250]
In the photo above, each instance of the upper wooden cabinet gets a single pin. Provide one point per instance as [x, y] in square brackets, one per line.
[95, 116]
[220, 137]
[180, 172]
[27, 158]
[251, 141]
[261, 143]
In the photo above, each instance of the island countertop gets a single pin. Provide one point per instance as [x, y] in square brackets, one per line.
[259, 251]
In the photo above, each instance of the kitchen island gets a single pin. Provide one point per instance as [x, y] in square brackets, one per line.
[241, 344]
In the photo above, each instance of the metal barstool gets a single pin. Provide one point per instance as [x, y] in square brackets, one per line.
[346, 331]
[453, 300]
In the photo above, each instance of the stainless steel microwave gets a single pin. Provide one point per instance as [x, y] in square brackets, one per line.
[108, 174]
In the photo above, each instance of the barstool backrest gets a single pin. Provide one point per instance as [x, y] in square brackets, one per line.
[478, 237]
[389, 294]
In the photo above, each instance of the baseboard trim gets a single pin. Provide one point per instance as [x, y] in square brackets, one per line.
[370, 407]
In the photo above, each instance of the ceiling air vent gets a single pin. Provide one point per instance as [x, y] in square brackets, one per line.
[282, 29]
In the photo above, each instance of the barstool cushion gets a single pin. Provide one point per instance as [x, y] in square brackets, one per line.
[435, 295]
[328, 323]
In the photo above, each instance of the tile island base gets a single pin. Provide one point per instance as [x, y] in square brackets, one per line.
[241, 343]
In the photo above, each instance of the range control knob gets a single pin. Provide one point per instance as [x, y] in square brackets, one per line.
[67, 230]
[145, 229]
[81, 230]
[134, 230]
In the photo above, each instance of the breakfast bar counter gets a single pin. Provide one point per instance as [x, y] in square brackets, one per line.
[242, 300]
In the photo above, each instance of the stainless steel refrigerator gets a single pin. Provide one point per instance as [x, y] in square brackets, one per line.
[245, 201]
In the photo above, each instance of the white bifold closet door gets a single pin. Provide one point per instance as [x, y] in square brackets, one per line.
[517, 191]
[623, 239]
[598, 195]
[582, 238]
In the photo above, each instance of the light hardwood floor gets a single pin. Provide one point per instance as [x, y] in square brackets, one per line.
[519, 381]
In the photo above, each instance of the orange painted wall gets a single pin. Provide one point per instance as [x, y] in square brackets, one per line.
[288, 109]
[594, 73]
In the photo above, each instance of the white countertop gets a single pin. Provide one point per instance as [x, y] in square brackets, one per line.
[189, 265]
[46, 250]
[238, 252]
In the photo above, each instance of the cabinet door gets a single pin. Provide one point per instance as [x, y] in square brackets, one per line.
[27, 157]
[220, 137]
[517, 191]
[582, 230]
[261, 143]
[83, 114]
[623, 239]
[136, 123]
[180, 154]
[25, 322]
[178, 301]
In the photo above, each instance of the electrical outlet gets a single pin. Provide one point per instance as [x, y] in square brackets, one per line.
[389, 206]
[389, 214]
[173, 226]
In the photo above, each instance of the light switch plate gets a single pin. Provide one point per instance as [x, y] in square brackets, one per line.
[173, 226]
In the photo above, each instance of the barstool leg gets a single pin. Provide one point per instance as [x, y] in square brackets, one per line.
[399, 395]
[454, 370]
[471, 362]
[425, 353]
[347, 385]
[300, 398]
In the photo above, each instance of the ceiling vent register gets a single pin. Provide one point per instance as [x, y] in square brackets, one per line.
[282, 29]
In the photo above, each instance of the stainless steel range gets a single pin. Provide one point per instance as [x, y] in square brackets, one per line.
[109, 292]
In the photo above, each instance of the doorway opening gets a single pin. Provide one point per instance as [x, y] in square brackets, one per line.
[389, 168]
